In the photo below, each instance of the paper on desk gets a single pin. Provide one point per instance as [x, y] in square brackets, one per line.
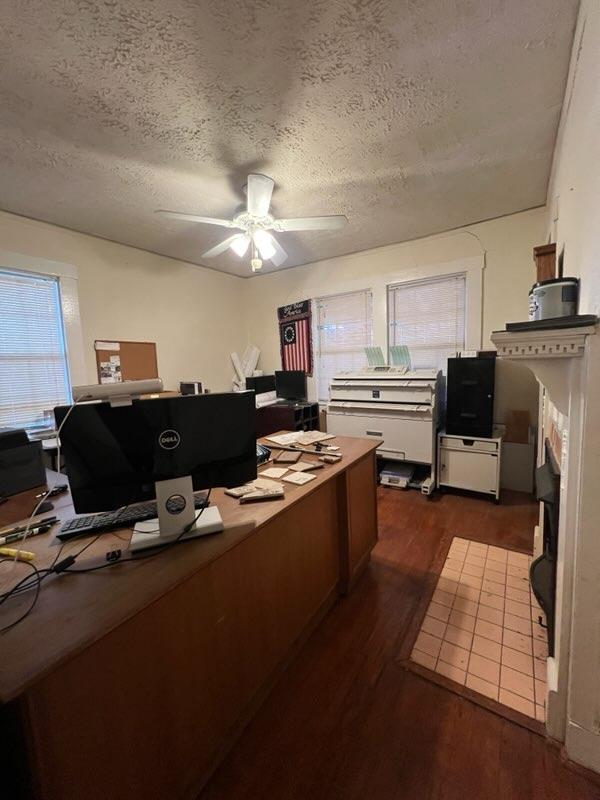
[265, 483]
[285, 439]
[273, 472]
[303, 466]
[310, 437]
[299, 478]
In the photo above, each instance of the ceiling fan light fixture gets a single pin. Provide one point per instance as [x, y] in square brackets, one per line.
[240, 244]
[264, 243]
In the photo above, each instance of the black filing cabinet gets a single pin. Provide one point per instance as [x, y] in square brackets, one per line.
[470, 397]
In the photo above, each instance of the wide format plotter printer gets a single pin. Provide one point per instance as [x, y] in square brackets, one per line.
[404, 408]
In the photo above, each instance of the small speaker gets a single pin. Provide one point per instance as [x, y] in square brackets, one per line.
[190, 387]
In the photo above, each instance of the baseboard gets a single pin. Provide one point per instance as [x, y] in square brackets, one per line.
[583, 746]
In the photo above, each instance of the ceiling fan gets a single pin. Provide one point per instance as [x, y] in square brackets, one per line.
[255, 224]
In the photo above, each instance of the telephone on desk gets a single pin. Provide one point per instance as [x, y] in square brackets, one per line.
[262, 453]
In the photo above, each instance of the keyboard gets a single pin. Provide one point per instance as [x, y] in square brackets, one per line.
[111, 520]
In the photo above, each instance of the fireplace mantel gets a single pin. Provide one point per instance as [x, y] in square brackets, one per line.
[548, 354]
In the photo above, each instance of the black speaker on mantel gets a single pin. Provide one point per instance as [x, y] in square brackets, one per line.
[470, 396]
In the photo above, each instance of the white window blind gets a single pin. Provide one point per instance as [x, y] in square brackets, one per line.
[428, 316]
[33, 364]
[344, 329]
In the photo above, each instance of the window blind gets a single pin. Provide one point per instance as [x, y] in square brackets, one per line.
[428, 316]
[344, 329]
[33, 364]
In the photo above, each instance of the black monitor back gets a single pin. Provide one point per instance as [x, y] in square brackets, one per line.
[114, 455]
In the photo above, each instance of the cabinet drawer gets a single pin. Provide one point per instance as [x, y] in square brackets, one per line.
[479, 445]
[475, 471]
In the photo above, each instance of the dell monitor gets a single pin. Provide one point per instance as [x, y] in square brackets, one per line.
[119, 455]
[290, 384]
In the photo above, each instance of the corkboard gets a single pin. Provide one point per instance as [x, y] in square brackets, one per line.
[137, 359]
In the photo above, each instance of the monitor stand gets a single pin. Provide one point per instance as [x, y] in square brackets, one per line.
[175, 506]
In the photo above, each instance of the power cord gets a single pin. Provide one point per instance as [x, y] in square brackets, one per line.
[63, 566]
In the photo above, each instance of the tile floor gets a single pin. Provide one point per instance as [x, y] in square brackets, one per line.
[482, 630]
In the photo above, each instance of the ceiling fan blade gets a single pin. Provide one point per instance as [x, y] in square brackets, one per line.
[259, 190]
[280, 255]
[332, 223]
[221, 247]
[224, 223]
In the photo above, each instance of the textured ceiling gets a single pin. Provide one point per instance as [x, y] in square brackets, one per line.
[408, 116]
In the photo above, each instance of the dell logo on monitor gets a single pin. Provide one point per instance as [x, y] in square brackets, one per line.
[169, 440]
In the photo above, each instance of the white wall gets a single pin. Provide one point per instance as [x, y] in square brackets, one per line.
[574, 223]
[509, 272]
[195, 315]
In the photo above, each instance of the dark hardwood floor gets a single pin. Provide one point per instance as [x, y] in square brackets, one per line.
[348, 721]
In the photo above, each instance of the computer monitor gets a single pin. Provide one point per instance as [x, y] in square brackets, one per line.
[114, 456]
[290, 384]
[261, 384]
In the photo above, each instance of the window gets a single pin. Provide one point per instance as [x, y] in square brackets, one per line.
[344, 329]
[428, 316]
[33, 363]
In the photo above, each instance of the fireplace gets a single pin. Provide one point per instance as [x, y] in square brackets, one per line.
[542, 573]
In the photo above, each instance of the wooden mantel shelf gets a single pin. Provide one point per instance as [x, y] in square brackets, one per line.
[548, 354]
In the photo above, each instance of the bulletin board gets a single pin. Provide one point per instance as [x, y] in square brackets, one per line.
[125, 361]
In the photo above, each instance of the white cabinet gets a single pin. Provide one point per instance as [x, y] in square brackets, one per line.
[467, 462]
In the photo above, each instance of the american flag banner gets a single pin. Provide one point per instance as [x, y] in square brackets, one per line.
[295, 336]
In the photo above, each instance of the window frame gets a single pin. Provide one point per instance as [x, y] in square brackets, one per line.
[427, 279]
[368, 291]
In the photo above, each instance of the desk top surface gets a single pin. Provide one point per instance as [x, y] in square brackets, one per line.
[75, 610]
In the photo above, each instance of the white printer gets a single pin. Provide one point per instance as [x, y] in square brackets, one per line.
[404, 408]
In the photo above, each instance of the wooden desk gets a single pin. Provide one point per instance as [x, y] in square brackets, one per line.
[133, 681]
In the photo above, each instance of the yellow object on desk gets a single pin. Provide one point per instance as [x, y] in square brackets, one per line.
[20, 555]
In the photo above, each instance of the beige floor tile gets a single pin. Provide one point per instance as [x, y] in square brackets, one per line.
[453, 564]
[492, 600]
[451, 654]
[539, 633]
[429, 644]
[493, 587]
[484, 668]
[463, 621]
[472, 569]
[465, 606]
[483, 687]
[424, 659]
[438, 611]
[443, 598]
[517, 572]
[522, 662]
[490, 574]
[470, 580]
[458, 553]
[451, 574]
[486, 648]
[518, 703]
[458, 637]
[522, 610]
[454, 673]
[447, 585]
[434, 626]
[520, 559]
[469, 592]
[540, 692]
[540, 713]
[517, 641]
[517, 594]
[517, 583]
[478, 547]
[517, 624]
[539, 669]
[488, 630]
[498, 553]
[516, 682]
[537, 614]
[473, 558]
[540, 649]
[490, 614]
